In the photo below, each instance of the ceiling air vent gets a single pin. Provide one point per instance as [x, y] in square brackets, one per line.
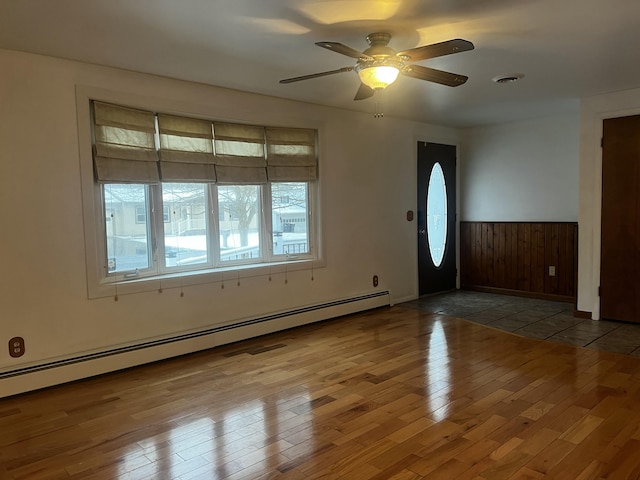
[511, 78]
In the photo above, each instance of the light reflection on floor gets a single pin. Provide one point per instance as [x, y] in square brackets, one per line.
[438, 373]
[209, 449]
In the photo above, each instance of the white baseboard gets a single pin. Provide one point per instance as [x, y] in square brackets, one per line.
[58, 371]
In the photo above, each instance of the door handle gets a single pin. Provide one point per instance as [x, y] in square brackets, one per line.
[422, 231]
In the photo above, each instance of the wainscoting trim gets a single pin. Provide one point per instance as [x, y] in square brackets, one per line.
[537, 259]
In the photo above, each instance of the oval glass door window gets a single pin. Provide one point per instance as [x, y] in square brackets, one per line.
[437, 214]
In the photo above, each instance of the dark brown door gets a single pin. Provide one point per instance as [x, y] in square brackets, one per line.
[620, 253]
[436, 217]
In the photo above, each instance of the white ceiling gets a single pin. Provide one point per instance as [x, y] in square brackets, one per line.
[566, 49]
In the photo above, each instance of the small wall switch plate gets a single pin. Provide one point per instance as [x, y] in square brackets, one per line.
[552, 271]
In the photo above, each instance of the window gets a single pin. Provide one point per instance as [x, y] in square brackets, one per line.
[182, 194]
[437, 214]
[126, 227]
[185, 237]
[290, 232]
[240, 234]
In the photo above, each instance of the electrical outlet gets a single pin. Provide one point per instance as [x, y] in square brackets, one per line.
[16, 347]
[375, 280]
[552, 271]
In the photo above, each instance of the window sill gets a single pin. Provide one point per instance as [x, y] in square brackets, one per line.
[229, 275]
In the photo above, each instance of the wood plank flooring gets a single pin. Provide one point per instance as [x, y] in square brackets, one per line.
[393, 393]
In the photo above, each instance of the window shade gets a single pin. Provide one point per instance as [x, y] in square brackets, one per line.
[239, 153]
[190, 151]
[124, 145]
[186, 149]
[291, 154]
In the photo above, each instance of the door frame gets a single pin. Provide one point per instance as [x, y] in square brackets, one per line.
[444, 141]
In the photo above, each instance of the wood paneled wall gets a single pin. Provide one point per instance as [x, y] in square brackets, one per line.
[514, 257]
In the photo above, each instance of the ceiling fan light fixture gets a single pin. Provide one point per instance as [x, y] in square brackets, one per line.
[378, 76]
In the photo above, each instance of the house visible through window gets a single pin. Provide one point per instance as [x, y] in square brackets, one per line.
[141, 214]
[216, 194]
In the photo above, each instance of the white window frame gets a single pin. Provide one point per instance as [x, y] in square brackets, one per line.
[101, 284]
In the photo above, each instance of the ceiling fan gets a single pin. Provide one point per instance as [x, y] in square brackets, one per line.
[379, 65]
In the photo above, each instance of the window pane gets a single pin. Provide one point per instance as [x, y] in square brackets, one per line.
[437, 214]
[126, 226]
[185, 224]
[239, 207]
[289, 209]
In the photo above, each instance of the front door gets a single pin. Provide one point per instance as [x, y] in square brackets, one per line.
[436, 217]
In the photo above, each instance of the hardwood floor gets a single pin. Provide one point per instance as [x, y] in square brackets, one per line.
[392, 393]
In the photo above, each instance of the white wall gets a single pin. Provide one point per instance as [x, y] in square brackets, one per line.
[592, 112]
[367, 181]
[521, 171]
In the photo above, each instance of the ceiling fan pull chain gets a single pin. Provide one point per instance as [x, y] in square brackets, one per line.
[378, 106]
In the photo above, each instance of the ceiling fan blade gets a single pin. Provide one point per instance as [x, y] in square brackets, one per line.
[364, 92]
[436, 50]
[316, 75]
[433, 75]
[344, 50]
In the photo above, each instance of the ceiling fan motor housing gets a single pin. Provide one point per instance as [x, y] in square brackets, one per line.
[379, 48]
[380, 55]
[378, 38]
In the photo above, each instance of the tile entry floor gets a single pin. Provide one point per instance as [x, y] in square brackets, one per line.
[534, 318]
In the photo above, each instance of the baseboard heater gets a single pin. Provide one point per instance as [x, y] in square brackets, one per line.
[167, 347]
